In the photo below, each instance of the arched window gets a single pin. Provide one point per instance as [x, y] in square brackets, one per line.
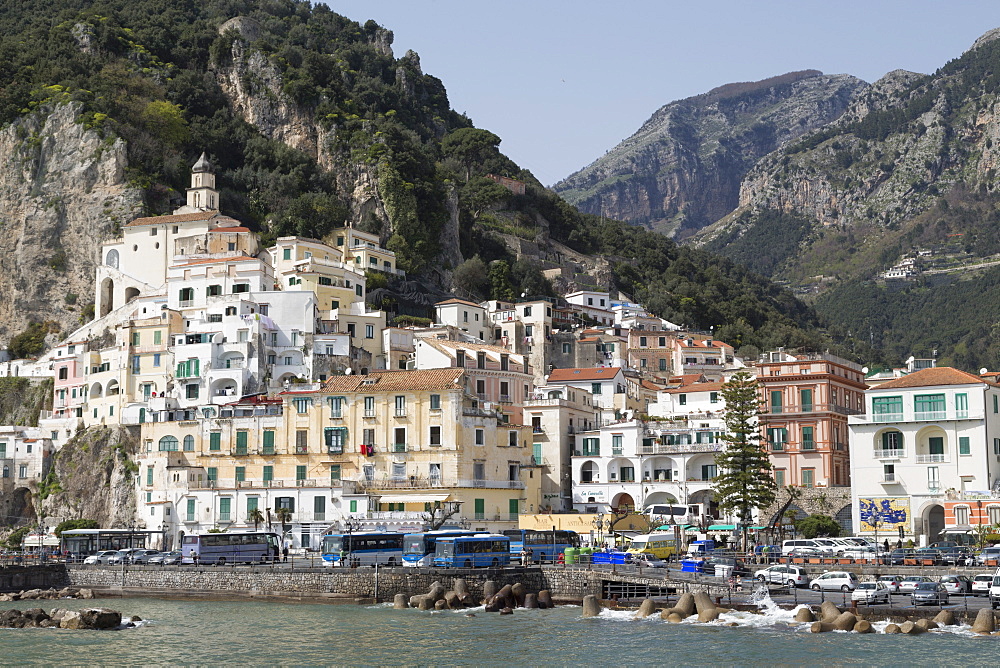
[6, 471]
[890, 440]
[168, 444]
[189, 443]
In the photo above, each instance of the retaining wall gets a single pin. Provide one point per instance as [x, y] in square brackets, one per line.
[16, 578]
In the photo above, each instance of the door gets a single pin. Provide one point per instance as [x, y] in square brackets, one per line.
[936, 444]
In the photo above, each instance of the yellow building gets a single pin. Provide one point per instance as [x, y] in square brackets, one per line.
[364, 251]
[307, 264]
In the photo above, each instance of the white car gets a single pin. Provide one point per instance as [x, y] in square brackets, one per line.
[892, 582]
[910, 582]
[981, 584]
[784, 574]
[871, 593]
[834, 580]
[101, 557]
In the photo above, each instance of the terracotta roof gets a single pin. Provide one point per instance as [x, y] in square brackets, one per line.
[210, 260]
[942, 375]
[395, 381]
[650, 385]
[177, 218]
[687, 378]
[235, 228]
[477, 347]
[570, 375]
[696, 387]
[588, 339]
[457, 301]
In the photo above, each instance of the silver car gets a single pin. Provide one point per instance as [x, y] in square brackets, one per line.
[101, 557]
[929, 592]
[142, 556]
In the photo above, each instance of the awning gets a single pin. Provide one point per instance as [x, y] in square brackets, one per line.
[40, 541]
[413, 498]
[957, 528]
[716, 528]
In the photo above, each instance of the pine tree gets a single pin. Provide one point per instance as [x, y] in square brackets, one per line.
[744, 480]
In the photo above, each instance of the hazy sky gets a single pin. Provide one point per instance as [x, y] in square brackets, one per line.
[562, 82]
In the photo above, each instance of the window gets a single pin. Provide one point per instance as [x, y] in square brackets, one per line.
[400, 406]
[241, 442]
[168, 444]
[480, 508]
[481, 388]
[807, 478]
[189, 516]
[369, 331]
[963, 448]
[806, 400]
[779, 477]
[354, 503]
[241, 474]
[709, 471]
[156, 359]
[592, 447]
[267, 474]
[961, 514]
[286, 502]
[996, 446]
[336, 407]
[480, 437]
[369, 406]
[135, 338]
[286, 253]
[435, 402]
[616, 444]
[212, 473]
[567, 348]
[595, 388]
[191, 391]
[663, 364]
[527, 311]
[777, 437]
[335, 439]
[399, 439]
[267, 444]
[887, 409]
[961, 405]
[994, 514]
[892, 440]
[241, 287]
[627, 474]
[302, 404]
[149, 475]
[359, 290]
[300, 472]
[186, 295]
[889, 472]
[350, 329]
[935, 445]
[713, 397]
[807, 438]
[776, 401]
[512, 439]
[301, 441]
[929, 406]
[435, 438]
[682, 399]
[933, 478]
[334, 472]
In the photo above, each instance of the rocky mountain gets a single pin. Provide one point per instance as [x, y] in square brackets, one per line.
[310, 120]
[682, 169]
[908, 171]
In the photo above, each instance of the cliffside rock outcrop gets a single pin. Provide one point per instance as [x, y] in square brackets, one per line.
[62, 193]
[682, 169]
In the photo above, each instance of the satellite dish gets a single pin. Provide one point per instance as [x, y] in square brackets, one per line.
[864, 369]
[348, 371]
[983, 371]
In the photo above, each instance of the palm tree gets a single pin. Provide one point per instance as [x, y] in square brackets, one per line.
[284, 515]
[256, 517]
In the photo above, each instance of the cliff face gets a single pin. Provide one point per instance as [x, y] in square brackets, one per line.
[682, 169]
[62, 192]
[96, 472]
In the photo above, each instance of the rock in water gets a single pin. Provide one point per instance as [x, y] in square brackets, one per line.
[101, 618]
[545, 599]
[399, 602]
[985, 622]
[460, 587]
[845, 622]
[646, 608]
[425, 603]
[926, 624]
[441, 605]
[805, 615]
[945, 618]
[863, 626]
[685, 605]
[71, 620]
[591, 606]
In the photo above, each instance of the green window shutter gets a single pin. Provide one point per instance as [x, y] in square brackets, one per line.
[300, 472]
[513, 506]
[480, 508]
[213, 473]
[251, 504]
[149, 475]
[268, 474]
[536, 452]
[215, 440]
[776, 401]
[806, 399]
[225, 505]
[241, 473]
[963, 445]
[269, 441]
[197, 363]
[354, 506]
[190, 509]
[807, 439]
[334, 472]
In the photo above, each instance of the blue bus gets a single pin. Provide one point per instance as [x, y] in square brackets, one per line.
[545, 546]
[418, 548]
[474, 551]
[230, 548]
[365, 548]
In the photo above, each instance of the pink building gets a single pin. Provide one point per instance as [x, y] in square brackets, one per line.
[70, 386]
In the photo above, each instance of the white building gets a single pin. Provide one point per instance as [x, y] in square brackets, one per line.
[466, 316]
[930, 436]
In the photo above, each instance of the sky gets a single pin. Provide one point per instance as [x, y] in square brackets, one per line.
[562, 82]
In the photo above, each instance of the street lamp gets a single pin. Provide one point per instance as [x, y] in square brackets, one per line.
[874, 517]
[598, 523]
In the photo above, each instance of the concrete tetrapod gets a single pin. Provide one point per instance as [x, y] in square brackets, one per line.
[828, 612]
[399, 602]
[985, 622]
[892, 628]
[674, 618]
[518, 590]
[545, 599]
[863, 626]
[820, 627]
[709, 615]
[805, 615]
[926, 624]
[531, 600]
[489, 590]
[646, 608]
[845, 622]
[910, 628]
[441, 605]
[945, 618]
[703, 602]
[685, 605]
[591, 606]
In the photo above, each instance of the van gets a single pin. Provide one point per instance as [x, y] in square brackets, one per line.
[791, 545]
[995, 591]
[660, 544]
[988, 553]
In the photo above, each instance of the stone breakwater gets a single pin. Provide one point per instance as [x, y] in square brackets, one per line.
[94, 619]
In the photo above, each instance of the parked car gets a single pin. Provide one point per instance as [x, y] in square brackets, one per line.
[833, 580]
[910, 582]
[785, 574]
[957, 584]
[120, 557]
[101, 557]
[871, 593]
[166, 558]
[955, 556]
[142, 556]
[739, 568]
[789, 546]
[891, 582]
[896, 556]
[981, 584]
[929, 592]
[932, 553]
[807, 551]
[990, 553]
[646, 560]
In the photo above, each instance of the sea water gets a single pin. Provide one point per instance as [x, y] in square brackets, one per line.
[268, 633]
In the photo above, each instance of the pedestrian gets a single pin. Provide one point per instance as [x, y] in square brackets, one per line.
[561, 559]
[531, 554]
[524, 557]
[899, 544]
[284, 553]
[886, 544]
[194, 558]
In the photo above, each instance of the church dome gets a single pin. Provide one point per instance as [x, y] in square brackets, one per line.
[203, 165]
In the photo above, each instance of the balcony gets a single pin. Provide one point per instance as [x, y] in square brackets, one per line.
[400, 413]
[537, 430]
[399, 447]
[305, 483]
[437, 483]
[505, 399]
[810, 408]
[890, 453]
[226, 517]
[922, 416]
[680, 448]
[890, 479]
[932, 459]
[925, 416]
[369, 413]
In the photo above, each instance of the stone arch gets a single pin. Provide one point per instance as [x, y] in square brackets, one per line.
[112, 388]
[659, 498]
[705, 497]
[107, 297]
[96, 391]
[130, 294]
[623, 501]
[845, 518]
[933, 521]
[590, 471]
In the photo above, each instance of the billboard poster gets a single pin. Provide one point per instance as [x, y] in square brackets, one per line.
[891, 513]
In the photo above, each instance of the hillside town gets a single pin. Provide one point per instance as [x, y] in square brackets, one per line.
[262, 384]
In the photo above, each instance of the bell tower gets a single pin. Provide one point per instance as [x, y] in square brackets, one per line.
[202, 195]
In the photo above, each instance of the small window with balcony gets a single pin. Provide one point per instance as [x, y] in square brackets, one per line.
[808, 478]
